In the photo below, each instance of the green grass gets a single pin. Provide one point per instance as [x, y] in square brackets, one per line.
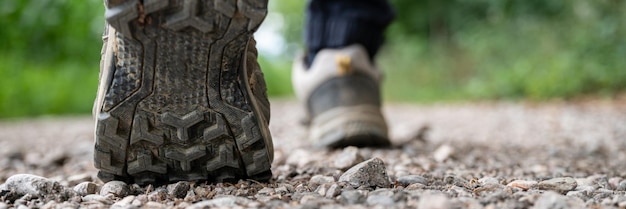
[37, 88]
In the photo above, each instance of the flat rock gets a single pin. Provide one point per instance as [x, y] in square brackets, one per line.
[368, 174]
[117, 188]
[27, 184]
[561, 185]
[86, 188]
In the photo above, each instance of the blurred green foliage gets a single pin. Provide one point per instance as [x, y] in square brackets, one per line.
[491, 49]
[49, 56]
[436, 50]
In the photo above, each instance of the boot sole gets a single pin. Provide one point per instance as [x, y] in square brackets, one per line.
[360, 126]
[177, 105]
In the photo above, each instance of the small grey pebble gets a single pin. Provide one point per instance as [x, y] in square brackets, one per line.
[311, 197]
[319, 180]
[432, 201]
[333, 191]
[488, 180]
[553, 200]
[282, 190]
[415, 186]
[117, 188]
[380, 200]
[226, 201]
[158, 195]
[86, 188]
[266, 191]
[179, 189]
[562, 185]
[353, 196]
[412, 179]
[155, 205]
[97, 198]
[322, 189]
[126, 202]
[621, 186]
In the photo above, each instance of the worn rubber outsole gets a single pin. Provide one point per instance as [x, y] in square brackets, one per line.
[360, 126]
[177, 104]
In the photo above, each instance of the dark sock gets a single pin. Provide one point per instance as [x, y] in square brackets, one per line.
[340, 23]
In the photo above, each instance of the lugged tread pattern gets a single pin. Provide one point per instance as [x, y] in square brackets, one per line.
[127, 76]
[178, 106]
[111, 146]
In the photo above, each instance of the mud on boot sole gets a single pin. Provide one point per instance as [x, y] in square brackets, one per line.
[176, 100]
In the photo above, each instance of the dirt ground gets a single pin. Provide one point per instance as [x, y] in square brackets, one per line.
[466, 155]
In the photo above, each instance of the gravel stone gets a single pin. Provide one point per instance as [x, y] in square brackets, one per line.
[502, 142]
[561, 185]
[368, 174]
[354, 196]
[333, 191]
[380, 200]
[179, 189]
[156, 205]
[27, 184]
[488, 180]
[613, 182]
[553, 200]
[126, 202]
[522, 184]
[266, 191]
[319, 180]
[348, 157]
[117, 188]
[434, 201]
[97, 198]
[412, 179]
[86, 188]
[158, 195]
[621, 186]
[221, 202]
[443, 153]
[415, 186]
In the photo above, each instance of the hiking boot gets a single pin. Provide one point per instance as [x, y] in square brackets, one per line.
[181, 95]
[341, 91]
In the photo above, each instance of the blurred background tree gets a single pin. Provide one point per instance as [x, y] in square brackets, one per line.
[437, 50]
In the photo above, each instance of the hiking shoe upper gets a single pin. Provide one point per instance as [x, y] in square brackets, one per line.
[341, 91]
[181, 96]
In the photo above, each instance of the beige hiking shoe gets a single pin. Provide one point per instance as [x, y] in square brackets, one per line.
[181, 96]
[341, 91]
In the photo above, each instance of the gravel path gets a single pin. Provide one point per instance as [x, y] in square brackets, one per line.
[478, 155]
